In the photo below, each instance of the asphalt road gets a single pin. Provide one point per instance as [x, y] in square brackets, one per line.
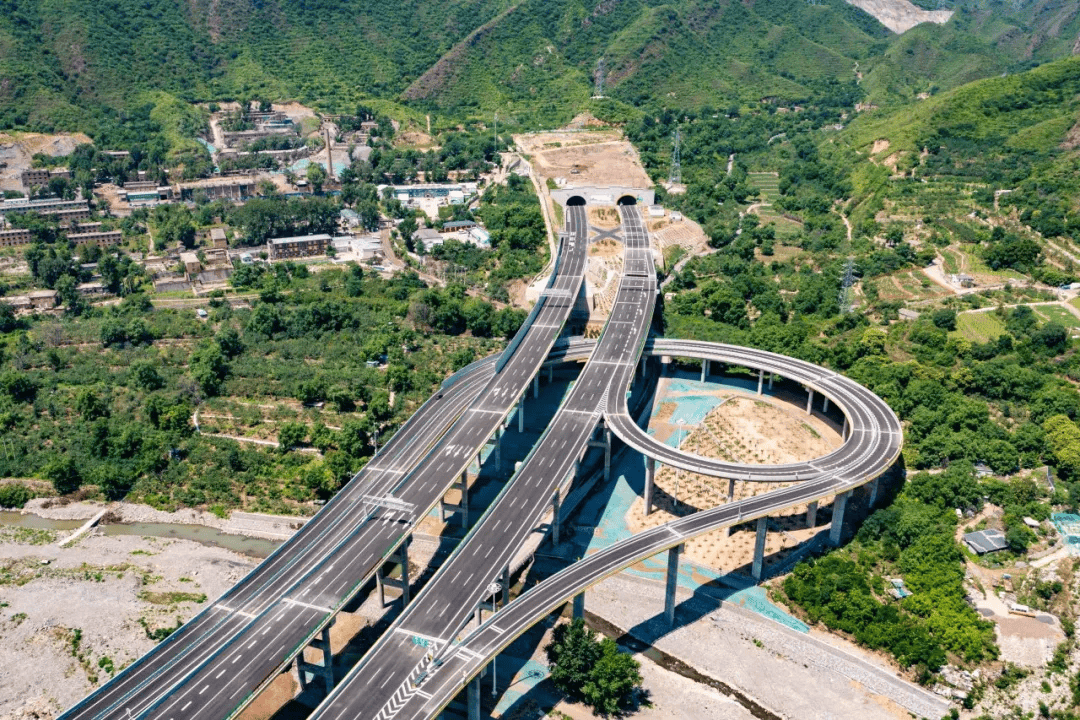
[385, 677]
[876, 435]
[213, 665]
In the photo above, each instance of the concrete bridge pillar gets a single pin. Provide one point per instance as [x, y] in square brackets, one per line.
[704, 369]
[309, 671]
[605, 444]
[759, 547]
[761, 380]
[809, 401]
[462, 505]
[644, 365]
[839, 506]
[555, 507]
[650, 477]
[845, 430]
[521, 414]
[825, 405]
[811, 514]
[400, 556]
[579, 606]
[551, 373]
[536, 386]
[772, 376]
[672, 583]
[873, 492]
[730, 498]
[474, 699]
[505, 580]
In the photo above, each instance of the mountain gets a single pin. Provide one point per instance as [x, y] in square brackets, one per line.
[94, 65]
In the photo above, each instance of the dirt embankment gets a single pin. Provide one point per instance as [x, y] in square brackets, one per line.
[900, 15]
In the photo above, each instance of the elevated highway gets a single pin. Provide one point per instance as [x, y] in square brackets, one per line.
[214, 665]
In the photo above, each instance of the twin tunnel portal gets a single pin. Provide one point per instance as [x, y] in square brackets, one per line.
[442, 640]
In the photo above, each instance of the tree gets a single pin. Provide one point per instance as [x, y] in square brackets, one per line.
[64, 473]
[592, 670]
[613, 680]
[316, 175]
[944, 319]
[209, 367]
[290, 435]
[146, 376]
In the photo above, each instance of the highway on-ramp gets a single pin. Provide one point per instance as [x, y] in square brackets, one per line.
[213, 665]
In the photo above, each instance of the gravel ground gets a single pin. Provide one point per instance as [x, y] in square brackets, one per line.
[82, 610]
[790, 674]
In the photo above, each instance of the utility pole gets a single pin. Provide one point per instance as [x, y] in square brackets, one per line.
[847, 280]
[675, 177]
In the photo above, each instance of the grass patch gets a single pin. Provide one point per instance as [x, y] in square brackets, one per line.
[172, 598]
[980, 327]
[1060, 315]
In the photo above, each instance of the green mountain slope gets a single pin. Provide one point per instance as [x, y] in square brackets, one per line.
[83, 64]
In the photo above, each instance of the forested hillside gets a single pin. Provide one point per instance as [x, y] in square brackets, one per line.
[90, 65]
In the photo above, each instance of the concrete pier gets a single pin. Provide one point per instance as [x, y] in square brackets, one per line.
[672, 583]
[650, 477]
[771, 378]
[759, 547]
[474, 699]
[760, 380]
[521, 414]
[873, 492]
[579, 606]
[704, 369]
[555, 518]
[400, 556]
[462, 505]
[309, 671]
[811, 514]
[809, 401]
[536, 386]
[839, 506]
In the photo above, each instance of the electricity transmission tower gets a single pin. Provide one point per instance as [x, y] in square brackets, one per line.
[675, 177]
[847, 280]
[599, 92]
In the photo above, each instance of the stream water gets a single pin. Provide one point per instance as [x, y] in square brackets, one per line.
[252, 547]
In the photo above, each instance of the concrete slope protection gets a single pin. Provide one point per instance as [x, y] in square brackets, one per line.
[386, 676]
[875, 435]
[212, 666]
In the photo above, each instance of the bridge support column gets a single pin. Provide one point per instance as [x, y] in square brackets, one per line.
[839, 506]
[650, 476]
[811, 514]
[506, 585]
[496, 440]
[759, 547]
[401, 556]
[761, 380]
[704, 369]
[521, 414]
[809, 401]
[474, 699]
[825, 405]
[730, 498]
[672, 583]
[462, 505]
[873, 493]
[326, 670]
[579, 606]
[551, 373]
[772, 376]
[555, 507]
[844, 430]
[605, 444]
[644, 365]
[536, 386]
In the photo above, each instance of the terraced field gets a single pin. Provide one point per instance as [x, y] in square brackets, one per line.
[979, 326]
[767, 183]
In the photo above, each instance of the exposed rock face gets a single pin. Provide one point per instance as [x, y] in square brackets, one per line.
[900, 15]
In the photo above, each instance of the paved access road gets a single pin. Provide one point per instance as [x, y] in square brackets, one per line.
[213, 666]
[875, 437]
[384, 679]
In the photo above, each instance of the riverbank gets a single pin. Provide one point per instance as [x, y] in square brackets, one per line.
[268, 527]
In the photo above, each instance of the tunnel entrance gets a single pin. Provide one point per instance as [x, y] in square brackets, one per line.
[627, 200]
[575, 201]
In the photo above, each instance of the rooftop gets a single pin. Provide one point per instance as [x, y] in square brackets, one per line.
[985, 541]
[300, 239]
